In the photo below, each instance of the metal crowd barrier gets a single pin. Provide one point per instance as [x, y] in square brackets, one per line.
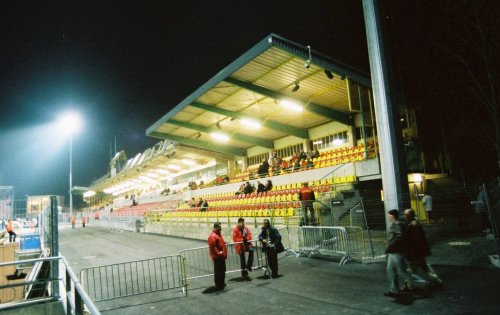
[200, 265]
[355, 241]
[325, 241]
[41, 286]
[113, 281]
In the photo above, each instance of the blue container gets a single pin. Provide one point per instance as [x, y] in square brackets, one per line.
[29, 242]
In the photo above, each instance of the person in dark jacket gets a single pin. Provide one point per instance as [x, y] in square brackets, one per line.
[269, 185]
[263, 169]
[418, 250]
[306, 197]
[260, 187]
[396, 264]
[218, 253]
[271, 244]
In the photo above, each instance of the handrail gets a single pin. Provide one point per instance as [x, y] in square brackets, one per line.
[75, 300]
[81, 297]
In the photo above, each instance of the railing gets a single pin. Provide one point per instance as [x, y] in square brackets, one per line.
[199, 264]
[42, 287]
[330, 241]
[130, 278]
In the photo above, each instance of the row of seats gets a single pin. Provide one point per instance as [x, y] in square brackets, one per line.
[216, 212]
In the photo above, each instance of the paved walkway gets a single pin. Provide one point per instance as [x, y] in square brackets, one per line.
[308, 286]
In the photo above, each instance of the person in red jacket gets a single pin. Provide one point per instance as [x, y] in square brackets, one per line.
[10, 230]
[218, 253]
[306, 196]
[242, 234]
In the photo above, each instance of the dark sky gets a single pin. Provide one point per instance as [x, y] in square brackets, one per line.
[123, 65]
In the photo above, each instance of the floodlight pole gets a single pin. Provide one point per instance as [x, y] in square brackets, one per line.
[70, 176]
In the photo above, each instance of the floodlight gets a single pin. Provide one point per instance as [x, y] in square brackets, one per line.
[70, 122]
[296, 87]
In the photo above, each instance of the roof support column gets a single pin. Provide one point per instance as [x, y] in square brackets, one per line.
[394, 177]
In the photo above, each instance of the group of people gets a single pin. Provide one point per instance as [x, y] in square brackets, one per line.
[407, 253]
[248, 188]
[242, 237]
[298, 161]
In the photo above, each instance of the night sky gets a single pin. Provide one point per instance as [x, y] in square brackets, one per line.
[123, 65]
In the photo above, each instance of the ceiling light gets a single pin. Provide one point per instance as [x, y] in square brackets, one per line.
[318, 142]
[329, 74]
[219, 136]
[174, 167]
[152, 175]
[292, 105]
[307, 64]
[188, 162]
[162, 171]
[296, 87]
[251, 123]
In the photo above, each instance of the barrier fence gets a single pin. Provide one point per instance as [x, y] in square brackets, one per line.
[113, 281]
[200, 265]
[346, 243]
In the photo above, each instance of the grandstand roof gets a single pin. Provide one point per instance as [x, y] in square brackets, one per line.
[252, 87]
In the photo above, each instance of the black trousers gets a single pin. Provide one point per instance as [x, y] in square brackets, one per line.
[272, 261]
[12, 236]
[246, 264]
[219, 272]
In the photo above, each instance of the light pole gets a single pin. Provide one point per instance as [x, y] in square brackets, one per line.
[70, 123]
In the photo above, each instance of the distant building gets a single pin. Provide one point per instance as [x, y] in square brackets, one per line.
[6, 202]
[37, 204]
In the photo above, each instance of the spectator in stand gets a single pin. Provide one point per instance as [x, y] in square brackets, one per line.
[269, 185]
[241, 190]
[193, 203]
[225, 179]
[302, 155]
[310, 164]
[202, 184]
[260, 187]
[303, 165]
[275, 162]
[263, 169]
[204, 206]
[248, 188]
[293, 161]
[315, 153]
[241, 233]
[218, 253]
[285, 166]
[200, 202]
[306, 196]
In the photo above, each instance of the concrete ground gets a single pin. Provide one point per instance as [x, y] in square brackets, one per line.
[308, 285]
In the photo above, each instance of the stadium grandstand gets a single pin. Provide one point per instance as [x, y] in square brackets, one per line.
[309, 117]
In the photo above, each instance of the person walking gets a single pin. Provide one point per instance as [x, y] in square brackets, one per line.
[270, 238]
[218, 253]
[427, 202]
[243, 237]
[10, 230]
[418, 249]
[396, 264]
[306, 196]
[73, 222]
